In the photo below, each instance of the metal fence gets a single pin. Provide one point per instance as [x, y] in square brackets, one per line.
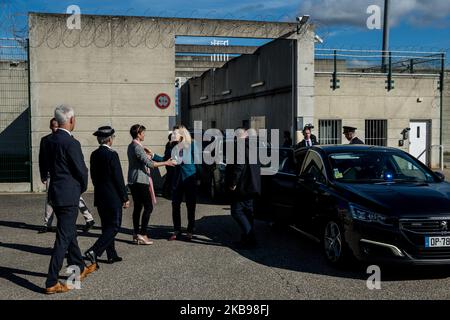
[14, 111]
[371, 61]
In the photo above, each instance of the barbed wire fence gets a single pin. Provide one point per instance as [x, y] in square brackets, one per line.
[141, 31]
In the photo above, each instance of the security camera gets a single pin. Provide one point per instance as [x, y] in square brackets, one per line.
[405, 133]
[303, 19]
[318, 39]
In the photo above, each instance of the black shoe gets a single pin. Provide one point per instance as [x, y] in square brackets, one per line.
[88, 225]
[251, 239]
[91, 256]
[248, 241]
[115, 259]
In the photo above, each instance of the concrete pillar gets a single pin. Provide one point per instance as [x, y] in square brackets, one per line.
[305, 78]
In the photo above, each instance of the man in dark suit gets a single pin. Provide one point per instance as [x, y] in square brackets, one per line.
[243, 181]
[43, 163]
[45, 178]
[309, 140]
[349, 133]
[68, 181]
[110, 195]
[43, 170]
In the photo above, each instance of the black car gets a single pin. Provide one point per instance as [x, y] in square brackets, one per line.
[377, 204]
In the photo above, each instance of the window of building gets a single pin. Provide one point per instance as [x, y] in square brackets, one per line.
[213, 124]
[376, 132]
[330, 131]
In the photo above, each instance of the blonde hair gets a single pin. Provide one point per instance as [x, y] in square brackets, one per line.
[184, 133]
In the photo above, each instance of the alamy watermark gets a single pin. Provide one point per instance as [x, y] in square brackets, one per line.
[73, 22]
[374, 20]
[374, 280]
[230, 146]
[73, 281]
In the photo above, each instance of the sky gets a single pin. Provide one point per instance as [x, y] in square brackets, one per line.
[422, 25]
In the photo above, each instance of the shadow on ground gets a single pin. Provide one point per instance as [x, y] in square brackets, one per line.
[280, 248]
[284, 248]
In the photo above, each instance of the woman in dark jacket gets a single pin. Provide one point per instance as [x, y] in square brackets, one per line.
[185, 177]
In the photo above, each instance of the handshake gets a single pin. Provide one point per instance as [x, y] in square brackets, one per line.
[168, 163]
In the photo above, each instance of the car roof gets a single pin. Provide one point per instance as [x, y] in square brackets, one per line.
[352, 148]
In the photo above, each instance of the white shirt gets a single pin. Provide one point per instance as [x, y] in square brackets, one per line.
[308, 143]
[105, 145]
[65, 130]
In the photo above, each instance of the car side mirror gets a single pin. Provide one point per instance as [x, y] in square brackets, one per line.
[308, 178]
[440, 175]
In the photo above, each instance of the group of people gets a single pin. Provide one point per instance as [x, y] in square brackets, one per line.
[63, 170]
[310, 139]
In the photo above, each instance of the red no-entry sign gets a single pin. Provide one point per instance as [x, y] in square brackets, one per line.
[162, 101]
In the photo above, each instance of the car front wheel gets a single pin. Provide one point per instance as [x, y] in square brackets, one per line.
[335, 249]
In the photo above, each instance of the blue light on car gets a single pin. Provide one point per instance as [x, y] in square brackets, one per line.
[388, 176]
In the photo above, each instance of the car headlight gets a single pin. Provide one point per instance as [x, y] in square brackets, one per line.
[362, 214]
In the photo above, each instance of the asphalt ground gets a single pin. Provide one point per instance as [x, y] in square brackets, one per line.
[286, 265]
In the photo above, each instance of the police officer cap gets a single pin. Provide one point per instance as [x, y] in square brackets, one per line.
[308, 126]
[349, 129]
[105, 131]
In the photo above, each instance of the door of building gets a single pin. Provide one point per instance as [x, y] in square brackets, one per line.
[418, 139]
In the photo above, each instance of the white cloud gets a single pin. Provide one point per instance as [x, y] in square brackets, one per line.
[353, 12]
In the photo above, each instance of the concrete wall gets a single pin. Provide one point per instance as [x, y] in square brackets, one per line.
[304, 79]
[108, 85]
[359, 98]
[208, 100]
[365, 97]
[446, 113]
[111, 70]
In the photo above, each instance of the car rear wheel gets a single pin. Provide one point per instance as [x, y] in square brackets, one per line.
[335, 249]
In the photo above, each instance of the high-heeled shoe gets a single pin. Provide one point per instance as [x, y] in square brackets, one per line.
[174, 236]
[143, 240]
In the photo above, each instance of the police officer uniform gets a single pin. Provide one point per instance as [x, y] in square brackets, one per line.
[354, 140]
[110, 194]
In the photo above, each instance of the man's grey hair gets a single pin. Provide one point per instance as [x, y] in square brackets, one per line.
[103, 140]
[63, 113]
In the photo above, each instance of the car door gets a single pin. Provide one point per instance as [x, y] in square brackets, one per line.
[282, 187]
[310, 192]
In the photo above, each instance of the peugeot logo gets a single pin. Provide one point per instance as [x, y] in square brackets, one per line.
[444, 226]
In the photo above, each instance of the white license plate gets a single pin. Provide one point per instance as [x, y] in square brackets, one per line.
[436, 242]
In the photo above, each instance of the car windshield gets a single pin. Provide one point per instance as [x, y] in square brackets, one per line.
[377, 167]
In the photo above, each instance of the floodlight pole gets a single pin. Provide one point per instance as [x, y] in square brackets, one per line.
[385, 34]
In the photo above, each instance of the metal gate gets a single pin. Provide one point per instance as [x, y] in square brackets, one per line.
[14, 111]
